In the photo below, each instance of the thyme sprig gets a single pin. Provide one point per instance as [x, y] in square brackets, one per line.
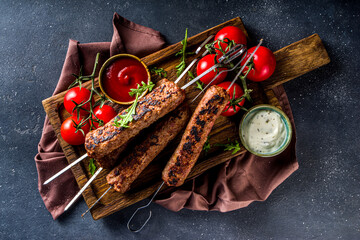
[158, 71]
[182, 65]
[127, 117]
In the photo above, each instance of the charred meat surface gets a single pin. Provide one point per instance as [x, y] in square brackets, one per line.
[195, 136]
[162, 100]
[122, 176]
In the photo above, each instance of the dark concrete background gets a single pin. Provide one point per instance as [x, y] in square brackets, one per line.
[320, 200]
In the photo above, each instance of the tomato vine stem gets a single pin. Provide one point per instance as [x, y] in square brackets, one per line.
[78, 81]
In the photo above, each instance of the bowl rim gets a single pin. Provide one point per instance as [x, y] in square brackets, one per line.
[108, 62]
[286, 121]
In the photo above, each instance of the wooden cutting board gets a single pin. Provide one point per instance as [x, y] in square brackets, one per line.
[292, 61]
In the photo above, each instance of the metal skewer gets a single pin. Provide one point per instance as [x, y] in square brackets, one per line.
[66, 168]
[194, 61]
[247, 61]
[83, 189]
[227, 70]
[82, 215]
[143, 207]
[240, 52]
[234, 53]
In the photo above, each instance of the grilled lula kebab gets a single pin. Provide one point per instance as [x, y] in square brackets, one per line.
[208, 110]
[197, 131]
[107, 162]
[123, 175]
[156, 104]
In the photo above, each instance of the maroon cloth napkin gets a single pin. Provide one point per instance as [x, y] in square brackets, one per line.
[230, 186]
[127, 37]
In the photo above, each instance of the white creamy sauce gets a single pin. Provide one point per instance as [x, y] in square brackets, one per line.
[264, 131]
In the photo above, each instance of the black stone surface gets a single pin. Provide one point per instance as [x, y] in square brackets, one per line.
[319, 201]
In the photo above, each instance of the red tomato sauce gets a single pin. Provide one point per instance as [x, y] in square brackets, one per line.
[121, 76]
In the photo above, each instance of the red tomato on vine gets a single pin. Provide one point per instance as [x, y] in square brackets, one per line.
[78, 96]
[236, 99]
[264, 64]
[104, 114]
[204, 64]
[73, 131]
[229, 33]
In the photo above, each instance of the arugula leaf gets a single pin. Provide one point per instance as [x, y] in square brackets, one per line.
[159, 71]
[182, 65]
[125, 119]
[231, 146]
[199, 84]
[141, 89]
[92, 166]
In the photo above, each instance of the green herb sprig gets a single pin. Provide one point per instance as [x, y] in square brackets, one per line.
[92, 166]
[158, 71]
[231, 146]
[182, 65]
[125, 119]
[207, 146]
[199, 84]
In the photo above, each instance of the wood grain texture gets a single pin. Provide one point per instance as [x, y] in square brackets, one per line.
[292, 61]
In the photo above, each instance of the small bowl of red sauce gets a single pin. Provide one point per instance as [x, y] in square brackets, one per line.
[119, 74]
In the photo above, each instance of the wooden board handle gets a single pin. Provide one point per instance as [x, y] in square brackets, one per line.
[297, 59]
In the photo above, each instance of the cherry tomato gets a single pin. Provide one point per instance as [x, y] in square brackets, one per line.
[232, 33]
[79, 96]
[234, 99]
[204, 64]
[264, 64]
[105, 114]
[69, 133]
